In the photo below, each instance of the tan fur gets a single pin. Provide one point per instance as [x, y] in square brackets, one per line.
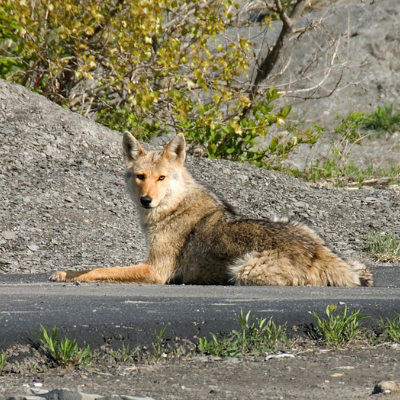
[194, 237]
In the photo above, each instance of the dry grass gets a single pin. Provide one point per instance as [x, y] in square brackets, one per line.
[384, 247]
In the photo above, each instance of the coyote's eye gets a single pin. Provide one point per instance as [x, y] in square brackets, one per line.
[140, 177]
[161, 178]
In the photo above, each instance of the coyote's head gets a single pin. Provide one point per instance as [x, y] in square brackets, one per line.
[154, 179]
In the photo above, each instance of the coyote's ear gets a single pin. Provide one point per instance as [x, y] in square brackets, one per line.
[176, 149]
[132, 148]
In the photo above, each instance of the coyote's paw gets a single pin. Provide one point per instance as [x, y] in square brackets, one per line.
[59, 276]
[65, 276]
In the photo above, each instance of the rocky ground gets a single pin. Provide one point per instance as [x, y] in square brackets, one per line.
[305, 372]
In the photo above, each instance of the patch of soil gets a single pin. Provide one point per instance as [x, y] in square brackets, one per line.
[312, 373]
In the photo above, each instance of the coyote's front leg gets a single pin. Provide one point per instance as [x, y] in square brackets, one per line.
[142, 273]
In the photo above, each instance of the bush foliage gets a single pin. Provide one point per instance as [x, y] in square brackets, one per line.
[182, 66]
[149, 67]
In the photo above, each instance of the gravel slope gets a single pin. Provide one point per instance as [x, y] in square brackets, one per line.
[64, 205]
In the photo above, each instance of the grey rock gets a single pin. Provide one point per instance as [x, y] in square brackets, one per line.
[8, 235]
[64, 394]
[61, 394]
[279, 356]
[122, 397]
[231, 360]
[300, 204]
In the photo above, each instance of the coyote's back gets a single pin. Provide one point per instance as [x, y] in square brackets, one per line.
[195, 237]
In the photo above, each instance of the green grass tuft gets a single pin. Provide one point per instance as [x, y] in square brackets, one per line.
[3, 361]
[253, 337]
[125, 354]
[158, 345]
[350, 174]
[218, 346]
[383, 247]
[384, 119]
[338, 328]
[65, 352]
[391, 328]
[351, 131]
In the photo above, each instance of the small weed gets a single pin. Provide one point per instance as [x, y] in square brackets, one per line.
[392, 328]
[32, 368]
[176, 352]
[158, 345]
[350, 132]
[125, 354]
[338, 328]
[2, 362]
[256, 337]
[349, 173]
[378, 177]
[65, 352]
[383, 247]
[385, 119]
[350, 126]
[219, 346]
[260, 335]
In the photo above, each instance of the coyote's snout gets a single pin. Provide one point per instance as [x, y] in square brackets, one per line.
[195, 237]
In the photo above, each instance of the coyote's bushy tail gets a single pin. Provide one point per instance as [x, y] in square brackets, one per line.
[323, 269]
[363, 272]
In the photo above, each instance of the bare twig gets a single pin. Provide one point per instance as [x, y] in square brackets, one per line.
[273, 57]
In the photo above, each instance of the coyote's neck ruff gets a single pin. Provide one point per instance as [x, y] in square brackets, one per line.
[195, 237]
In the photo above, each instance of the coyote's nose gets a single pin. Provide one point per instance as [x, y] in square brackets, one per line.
[145, 201]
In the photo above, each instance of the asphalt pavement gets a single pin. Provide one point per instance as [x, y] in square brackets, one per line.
[110, 313]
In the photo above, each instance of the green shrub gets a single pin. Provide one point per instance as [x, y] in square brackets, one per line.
[137, 65]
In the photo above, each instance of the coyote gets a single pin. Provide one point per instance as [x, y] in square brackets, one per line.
[194, 237]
